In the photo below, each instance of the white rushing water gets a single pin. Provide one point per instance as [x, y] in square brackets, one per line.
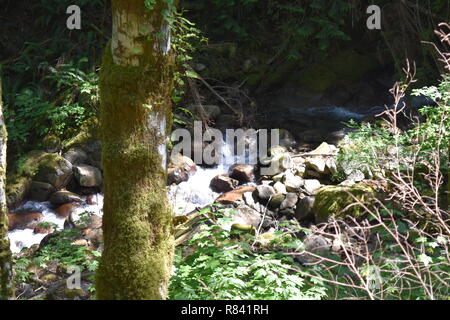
[26, 238]
[195, 193]
[184, 198]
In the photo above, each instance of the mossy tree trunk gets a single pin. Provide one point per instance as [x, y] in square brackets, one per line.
[136, 82]
[6, 287]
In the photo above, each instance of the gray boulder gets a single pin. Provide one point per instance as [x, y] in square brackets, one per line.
[176, 176]
[55, 170]
[317, 244]
[288, 205]
[290, 201]
[322, 159]
[62, 197]
[180, 169]
[242, 215]
[292, 182]
[276, 201]
[279, 161]
[280, 187]
[265, 192]
[242, 172]
[317, 163]
[249, 198]
[311, 185]
[40, 191]
[183, 162]
[223, 183]
[304, 208]
[76, 156]
[88, 176]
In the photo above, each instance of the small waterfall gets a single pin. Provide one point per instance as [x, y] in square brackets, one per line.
[26, 238]
[184, 198]
[195, 193]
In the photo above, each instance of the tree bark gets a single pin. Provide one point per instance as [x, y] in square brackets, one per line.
[6, 285]
[136, 82]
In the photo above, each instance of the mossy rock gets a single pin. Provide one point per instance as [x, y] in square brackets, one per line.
[278, 75]
[16, 189]
[49, 278]
[54, 169]
[73, 294]
[88, 133]
[51, 143]
[351, 66]
[246, 228]
[19, 182]
[332, 201]
[38, 166]
[40, 191]
[276, 201]
[28, 164]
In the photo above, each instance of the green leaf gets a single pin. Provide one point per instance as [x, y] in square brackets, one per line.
[192, 74]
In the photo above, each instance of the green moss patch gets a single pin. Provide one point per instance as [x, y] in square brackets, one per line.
[337, 201]
[89, 132]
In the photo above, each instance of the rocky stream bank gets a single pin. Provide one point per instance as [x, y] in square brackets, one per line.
[54, 191]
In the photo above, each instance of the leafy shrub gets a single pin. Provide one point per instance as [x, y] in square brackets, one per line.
[186, 40]
[305, 25]
[79, 95]
[362, 149]
[374, 147]
[75, 99]
[61, 250]
[408, 230]
[223, 267]
[31, 70]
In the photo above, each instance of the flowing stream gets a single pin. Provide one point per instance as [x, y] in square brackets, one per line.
[184, 197]
[26, 238]
[195, 193]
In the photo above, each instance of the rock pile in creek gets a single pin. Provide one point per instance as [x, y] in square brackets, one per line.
[65, 180]
[296, 186]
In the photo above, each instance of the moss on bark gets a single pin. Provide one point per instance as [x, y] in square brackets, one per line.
[135, 110]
